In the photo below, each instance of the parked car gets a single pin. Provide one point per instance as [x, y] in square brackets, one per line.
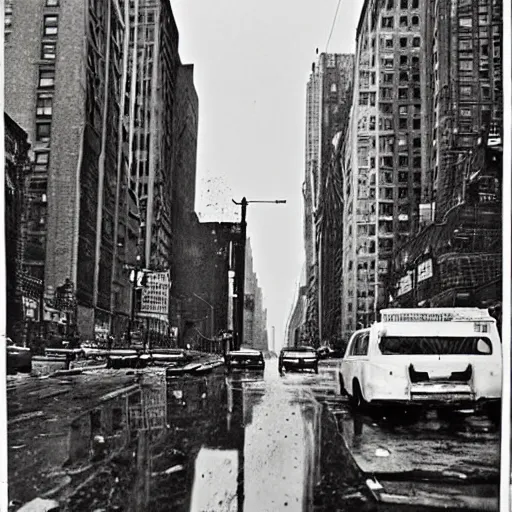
[19, 359]
[441, 357]
[245, 359]
[298, 358]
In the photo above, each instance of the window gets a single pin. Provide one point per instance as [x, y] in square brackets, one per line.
[416, 142]
[48, 51]
[415, 20]
[416, 124]
[435, 345]
[415, 61]
[402, 110]
[415, 4]
[403, 60]
[416, 42]
[403, 4]
[466, 91]
[404, 76]
[44, 106]
[333, 88]
[388, 78]
[402, 93]
[8, 16]
[43, 132]
[403, 160]
[50, 25]
[403, 42]
[466, 45]
[466, 65]
[387, 22]
[42, 160]
[390, 4]
[416, 162]
[388, 42]
[465, 22]
[52, 3]
[403, 21]
[416, 93]
[465, 112]
[46, 78]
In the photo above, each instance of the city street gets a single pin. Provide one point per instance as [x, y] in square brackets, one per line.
[136, 440]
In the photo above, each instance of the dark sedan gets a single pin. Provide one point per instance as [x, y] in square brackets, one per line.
[298, 358]
[245, 359]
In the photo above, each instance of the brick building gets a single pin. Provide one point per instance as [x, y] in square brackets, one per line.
[17, 166]
[94, 86]
[382, 153]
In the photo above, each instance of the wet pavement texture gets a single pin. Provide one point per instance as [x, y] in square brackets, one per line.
[111, 440]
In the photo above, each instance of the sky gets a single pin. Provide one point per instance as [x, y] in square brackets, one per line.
[252, 61]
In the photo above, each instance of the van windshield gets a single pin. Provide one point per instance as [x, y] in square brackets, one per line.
[437, 345]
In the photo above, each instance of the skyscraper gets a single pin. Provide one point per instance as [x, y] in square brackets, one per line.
[382, 159]
[329, 94]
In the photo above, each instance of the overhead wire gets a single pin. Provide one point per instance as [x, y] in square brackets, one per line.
[333, 25]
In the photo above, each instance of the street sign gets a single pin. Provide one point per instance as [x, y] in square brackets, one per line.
[155, 296]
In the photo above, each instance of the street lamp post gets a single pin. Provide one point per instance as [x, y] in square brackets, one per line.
[239, 338]
[211, 314]
[136, 271]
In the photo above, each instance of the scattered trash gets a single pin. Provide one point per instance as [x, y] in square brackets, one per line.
[169, 471]
[26, 416]
[17, 447]
[40, 505]
[373, 485]
[355, 496]
[382, 452]
[456, 474]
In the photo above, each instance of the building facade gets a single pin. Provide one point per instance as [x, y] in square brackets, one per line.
[456, 258]
[382, 161]
[254, 321]
[17, 166]
[98, 108]
[328, 99]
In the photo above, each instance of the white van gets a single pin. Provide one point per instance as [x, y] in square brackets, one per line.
[437, 356]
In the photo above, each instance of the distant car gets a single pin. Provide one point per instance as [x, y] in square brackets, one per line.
[298, 358]
[245, 359]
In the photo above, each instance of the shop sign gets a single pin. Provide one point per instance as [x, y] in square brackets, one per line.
[425, 270]
[405, 284]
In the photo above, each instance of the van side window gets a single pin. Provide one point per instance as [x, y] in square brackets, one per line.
[365, 339]
[354, 345]
[360, 346]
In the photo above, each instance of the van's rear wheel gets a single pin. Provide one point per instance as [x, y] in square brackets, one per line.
[343, 391]
[356, 400]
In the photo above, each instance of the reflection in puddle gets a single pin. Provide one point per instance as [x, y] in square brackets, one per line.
[216, 443]
[215, 483]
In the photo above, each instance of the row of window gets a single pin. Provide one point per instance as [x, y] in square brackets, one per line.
[404, 4]
[403, 21]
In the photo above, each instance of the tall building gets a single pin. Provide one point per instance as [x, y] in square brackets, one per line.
[463, 93]
[254, 322]
[17, 166]
[382, 157]
[328, 99]
[154, 43]
[93, 85]
[456, 259]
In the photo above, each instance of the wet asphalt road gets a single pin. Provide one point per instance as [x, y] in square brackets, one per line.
[243, 442]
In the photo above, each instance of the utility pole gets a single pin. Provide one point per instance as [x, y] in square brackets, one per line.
[240, 272]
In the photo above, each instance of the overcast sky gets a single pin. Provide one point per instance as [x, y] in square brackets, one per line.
[252, 63]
